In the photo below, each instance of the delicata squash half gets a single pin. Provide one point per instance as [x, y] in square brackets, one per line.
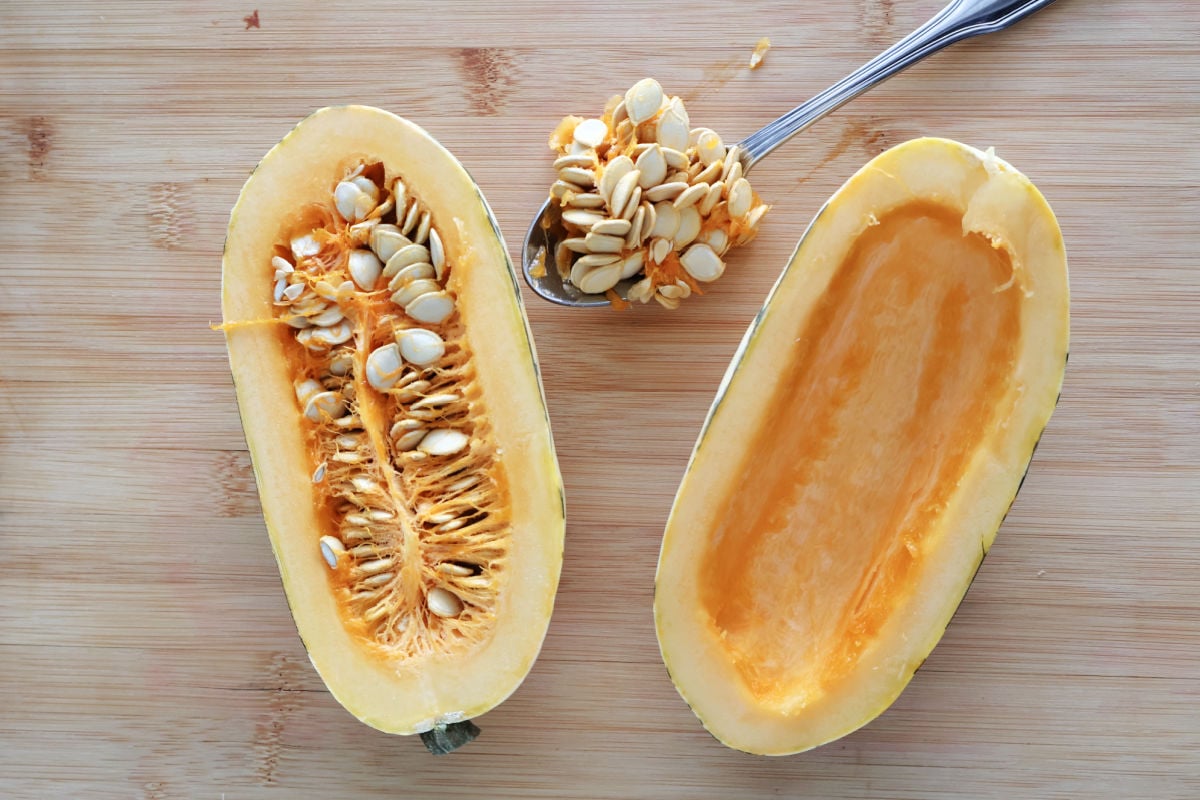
[389, 392]
[864, 447]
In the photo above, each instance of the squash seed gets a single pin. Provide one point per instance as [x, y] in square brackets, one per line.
[590, 133]
[600, 279]
[335, 335]
[634, 235]
[635, 200]
[443, 442]
[675, 159]
[689, 227]
[739, 199]
[652, 165]
[706, 205]
[666, 221]
[596, 260]
[611, 227]
[586, 200]
[378, 579]
[643, 100]
[419, 346]
[307, 389]
[443, 603]
[399, 198]
[715, 238]
[709, 148]
[432, 308]
[328, 317]
[411, 390]
[599, 243]
[366, 186]
[561, 190]
[374, 566]
[386, 240]
[641, 291]
[622, 192]
[666, 191]
[423, 227]
[413, 272]
[436, 400]
[405, 425]
[669, 303]
[305, 246]
[341, 364]
[709, 174]
[632, 264]
[410, 218]
[365, 268]
[692, 195]
[324, 405]
[345, 197]
[578, 176]
[659, 250]
[332, 550]
[579, 160]
[410, 439]
[411, 291]
[673, 125]
[616, 169]
[702, 263]
[405, 256]
[437, 254]
[581, 218]
[384, 367]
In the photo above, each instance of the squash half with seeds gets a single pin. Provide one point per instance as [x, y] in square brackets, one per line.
[390, 396]
[868, 439]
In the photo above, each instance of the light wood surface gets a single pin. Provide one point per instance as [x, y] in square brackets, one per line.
[146, 650]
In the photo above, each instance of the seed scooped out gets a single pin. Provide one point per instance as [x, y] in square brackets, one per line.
[643, 194]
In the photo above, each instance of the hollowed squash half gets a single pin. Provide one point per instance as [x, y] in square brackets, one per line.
[866, 443]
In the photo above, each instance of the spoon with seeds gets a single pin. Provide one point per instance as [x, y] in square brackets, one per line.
[959, 20]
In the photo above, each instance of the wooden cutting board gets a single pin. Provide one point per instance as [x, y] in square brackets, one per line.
[146, 650]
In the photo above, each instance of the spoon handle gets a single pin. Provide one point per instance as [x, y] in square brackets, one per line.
[958, 20]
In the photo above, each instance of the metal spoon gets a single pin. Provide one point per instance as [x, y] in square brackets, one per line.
[959, 20]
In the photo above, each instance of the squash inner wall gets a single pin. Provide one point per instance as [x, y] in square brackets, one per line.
[893, 382]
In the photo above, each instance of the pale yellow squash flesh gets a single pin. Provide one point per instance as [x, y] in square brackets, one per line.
[868, 440]
[415, 695]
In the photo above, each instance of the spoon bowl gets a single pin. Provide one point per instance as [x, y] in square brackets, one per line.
[541, 273]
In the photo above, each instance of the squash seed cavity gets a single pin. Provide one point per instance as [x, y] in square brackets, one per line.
[416, 533]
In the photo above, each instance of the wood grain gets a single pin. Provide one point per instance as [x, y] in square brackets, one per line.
[146, 650]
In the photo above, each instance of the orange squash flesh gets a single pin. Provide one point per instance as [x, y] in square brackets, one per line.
[907, 357]
[865, 444]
